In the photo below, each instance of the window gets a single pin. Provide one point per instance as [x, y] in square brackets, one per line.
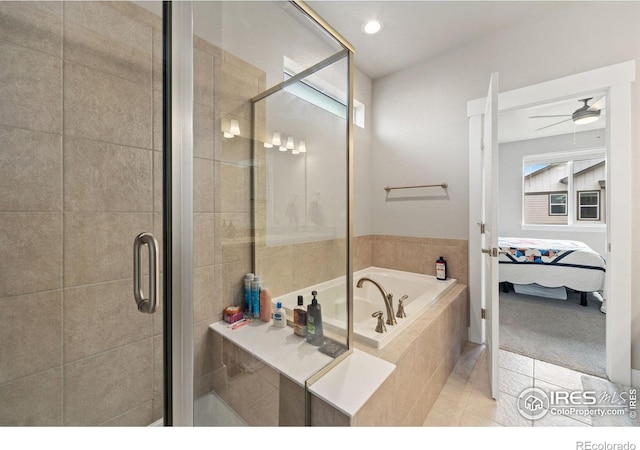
[589, 205]
[557, 204]
[564, 188]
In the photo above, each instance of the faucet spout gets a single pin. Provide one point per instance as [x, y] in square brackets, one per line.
[387, 297]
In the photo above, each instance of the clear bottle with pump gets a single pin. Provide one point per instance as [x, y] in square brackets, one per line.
[248, 298]
[315, 334]
[279, 316]
[300, 319]
[256, 287]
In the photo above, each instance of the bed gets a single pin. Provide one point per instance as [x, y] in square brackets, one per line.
[552, 264]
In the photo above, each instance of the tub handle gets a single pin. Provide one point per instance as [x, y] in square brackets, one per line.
[380, 328]
[401, 314]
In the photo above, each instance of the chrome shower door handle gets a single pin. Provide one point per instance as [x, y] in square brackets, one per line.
[146, 305]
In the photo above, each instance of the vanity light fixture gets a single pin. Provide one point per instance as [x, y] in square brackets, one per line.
[302, 147]
[290, 145]
[276, 139]
[234, 129]
[372, 27]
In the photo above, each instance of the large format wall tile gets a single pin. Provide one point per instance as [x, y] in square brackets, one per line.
[31, 249]
[99, 36]
[30, 170]
[37, 25]
[100, 317]
[106, 108]
[202, 185]
[33, 401]
[98, 246]
[106, 177]
[101, 387]
[30, 89]
[203, 246]
[30, 333]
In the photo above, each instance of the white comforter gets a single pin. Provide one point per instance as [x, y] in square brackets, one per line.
[551, 263]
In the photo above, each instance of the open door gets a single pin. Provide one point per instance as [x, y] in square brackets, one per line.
[490, 250]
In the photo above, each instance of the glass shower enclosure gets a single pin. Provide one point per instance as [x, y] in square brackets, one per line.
[153, 153]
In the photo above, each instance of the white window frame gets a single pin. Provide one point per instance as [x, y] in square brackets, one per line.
[565, 204]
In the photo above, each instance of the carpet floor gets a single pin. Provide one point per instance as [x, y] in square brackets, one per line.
[555, 331]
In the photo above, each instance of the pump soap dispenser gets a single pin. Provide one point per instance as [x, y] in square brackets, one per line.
[315, 335]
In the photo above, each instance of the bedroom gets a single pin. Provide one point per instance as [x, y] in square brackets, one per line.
[552, 197]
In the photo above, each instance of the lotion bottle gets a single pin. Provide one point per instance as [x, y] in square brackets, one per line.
[256, 287]
[315, 335]
[265, 305]
[279, 316]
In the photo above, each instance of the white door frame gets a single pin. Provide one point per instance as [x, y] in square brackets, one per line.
[616, 81]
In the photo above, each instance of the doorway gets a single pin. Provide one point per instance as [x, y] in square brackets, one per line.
[615, 81]
[549, 169]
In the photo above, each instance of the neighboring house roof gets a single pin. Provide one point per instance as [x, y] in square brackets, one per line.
[565, 180]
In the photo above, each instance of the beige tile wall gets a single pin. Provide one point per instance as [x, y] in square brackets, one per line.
[412, 254]
[76, 122]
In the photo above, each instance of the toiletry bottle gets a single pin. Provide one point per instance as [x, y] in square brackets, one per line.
[256, 287]
[315, 334]
[248, 299]
[300, 319]
[280, 316]
[441, 269]
[265, 305]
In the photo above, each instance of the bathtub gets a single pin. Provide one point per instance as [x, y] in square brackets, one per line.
[422, 291]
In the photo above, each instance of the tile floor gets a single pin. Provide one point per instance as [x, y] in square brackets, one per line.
[465, 400]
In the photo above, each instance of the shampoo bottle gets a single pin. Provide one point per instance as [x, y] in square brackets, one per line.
[256, 287]
[265, 305]
[300, 319]
[441, 269]
[315, 334]
[279, 316]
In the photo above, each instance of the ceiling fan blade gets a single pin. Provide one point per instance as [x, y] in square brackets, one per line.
[553, 124]
[544, 117]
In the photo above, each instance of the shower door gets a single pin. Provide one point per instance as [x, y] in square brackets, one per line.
[81, 177]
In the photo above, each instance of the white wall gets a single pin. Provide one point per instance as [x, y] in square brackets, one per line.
[510, 185]
[420, 123]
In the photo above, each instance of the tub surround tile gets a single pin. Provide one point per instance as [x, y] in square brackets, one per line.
[33, 401]
[203, 186]
[31, 334]
[123, 183]
[203, 130]
[31, 245]
[39, 159]
[203, 79]
[100, 317]
[30, 88]
[203, 239]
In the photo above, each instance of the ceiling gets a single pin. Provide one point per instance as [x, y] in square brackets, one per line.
[414, 31]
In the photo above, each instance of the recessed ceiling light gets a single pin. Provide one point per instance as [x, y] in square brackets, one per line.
[372, 27]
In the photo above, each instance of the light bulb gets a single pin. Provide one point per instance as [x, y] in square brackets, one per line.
[235, 127]
[276, 139]
[227, 135]
[282, 149]
[290, 145]
[295, 152]
[302, 147]
[268, 145]
[372, 27]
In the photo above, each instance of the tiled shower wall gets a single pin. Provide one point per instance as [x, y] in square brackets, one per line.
[78, 83]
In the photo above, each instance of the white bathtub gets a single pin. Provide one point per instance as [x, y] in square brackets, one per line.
[422, 290]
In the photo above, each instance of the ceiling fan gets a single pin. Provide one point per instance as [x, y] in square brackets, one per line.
[581, 116]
